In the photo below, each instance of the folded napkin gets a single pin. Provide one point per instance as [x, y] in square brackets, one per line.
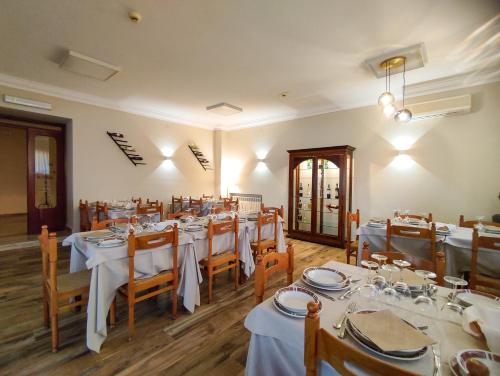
[482, 321]
[445, 227]
[111, 242]
[377, 325]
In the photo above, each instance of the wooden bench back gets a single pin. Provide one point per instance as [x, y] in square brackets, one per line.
[321, 345]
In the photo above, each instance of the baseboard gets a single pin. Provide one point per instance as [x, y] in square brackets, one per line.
[12, 215]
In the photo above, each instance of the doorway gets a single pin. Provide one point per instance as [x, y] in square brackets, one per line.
[32, 188]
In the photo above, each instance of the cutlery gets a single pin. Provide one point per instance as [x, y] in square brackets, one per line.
[347, 294]
[437, 360]
[341, 319]
[312, 289]
[350, 308]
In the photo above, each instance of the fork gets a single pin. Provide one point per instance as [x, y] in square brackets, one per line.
[350, 308]
[339, 323]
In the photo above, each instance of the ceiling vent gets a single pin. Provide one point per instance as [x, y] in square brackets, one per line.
[224, 109]
[441, 107]
[88, 66]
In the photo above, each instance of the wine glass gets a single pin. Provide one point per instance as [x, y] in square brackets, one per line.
[402, 264]
[381, 259]
[371, 265]
[424, 298]
[455, 281]
[391, 268]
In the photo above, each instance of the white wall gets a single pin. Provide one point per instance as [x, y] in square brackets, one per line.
[456, 167]
[97, 168]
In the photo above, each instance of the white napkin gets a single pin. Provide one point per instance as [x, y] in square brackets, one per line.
[483, 320]
[450, 226]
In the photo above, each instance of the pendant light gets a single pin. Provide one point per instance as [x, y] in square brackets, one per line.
[404, 115]
[386, 99]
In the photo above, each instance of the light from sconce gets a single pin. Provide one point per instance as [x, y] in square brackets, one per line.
[403, 142]
[261, 155]
[403, 161]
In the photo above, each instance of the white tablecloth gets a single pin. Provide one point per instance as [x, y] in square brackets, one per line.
[110, 268]
[277, 341]
[457, 248]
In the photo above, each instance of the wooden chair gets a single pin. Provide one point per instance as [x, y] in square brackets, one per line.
[225, 260]
[351, 247]
[59, 289]
[176, 202]
[319, 345]
[412, 232]
[231, 205]
[261, 245]
[471, 224]
[270, 209]
[216, 210]
[152, 208]
[486, 242]
[178, 215]
[196, 204]
[101, 208]
[416, 262]
[164, 281]
[136, 200]
[278, 261]
[427, 218]
[84, 216]
[103, 225]
[207, 196]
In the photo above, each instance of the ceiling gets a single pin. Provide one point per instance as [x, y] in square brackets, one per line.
[188, 54]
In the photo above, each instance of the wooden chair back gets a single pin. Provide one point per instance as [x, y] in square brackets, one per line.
[230, 204]
[427, 218]
[176, 203]
[84, 216]
[350, 218]
[269, 264]
[269, 209]
[103, 225]
[412, 232]
[207, 196]
[196, 204]
[319, 345]
[216, 210]
[136, 200]
[101, 208]
[266, 219]
[152, 202]
[220, 228]
[484, 242]
[152, 208]
[416, 262]
[48, 246]
[470, 223]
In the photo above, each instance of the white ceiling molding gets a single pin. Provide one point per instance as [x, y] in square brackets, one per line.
[75, 96]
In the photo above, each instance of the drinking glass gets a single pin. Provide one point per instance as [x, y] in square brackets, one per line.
[402, 264]
[455, 281]
[391, 268]
[381, 259]
[371, 265]
[425, 298]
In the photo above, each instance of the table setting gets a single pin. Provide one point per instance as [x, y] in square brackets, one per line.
[418, 331]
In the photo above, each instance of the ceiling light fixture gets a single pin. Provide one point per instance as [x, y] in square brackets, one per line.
[386, 99]
[224, 109]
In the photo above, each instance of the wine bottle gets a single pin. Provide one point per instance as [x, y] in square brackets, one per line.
[337, 191]
[308, 191]
[300, 189]
[328, 192]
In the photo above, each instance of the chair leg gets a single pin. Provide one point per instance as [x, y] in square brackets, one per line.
[174, 303]
[54, 331]
[348, 256]
[131, 327]
[112, 313]
[210, 282]
[236, 274]
[46, 312]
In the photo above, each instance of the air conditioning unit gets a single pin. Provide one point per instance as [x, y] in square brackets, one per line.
[441, 107]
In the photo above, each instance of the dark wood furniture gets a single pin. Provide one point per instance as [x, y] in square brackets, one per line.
[269, 264]
[319, 194]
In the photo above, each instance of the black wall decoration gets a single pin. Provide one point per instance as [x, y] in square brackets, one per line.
[129, 151]
[204, 162]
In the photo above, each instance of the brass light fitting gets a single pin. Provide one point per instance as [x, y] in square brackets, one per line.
[393, 62]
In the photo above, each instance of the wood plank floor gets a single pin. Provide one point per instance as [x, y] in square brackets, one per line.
[212, 341]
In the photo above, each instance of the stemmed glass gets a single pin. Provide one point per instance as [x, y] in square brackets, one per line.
[425, 274]
[389, 290]
[381, 259]
[402, 264]
[402, 286]
[371, 265]
[455, 281]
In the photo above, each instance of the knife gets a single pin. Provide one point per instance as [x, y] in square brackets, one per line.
[437, 360]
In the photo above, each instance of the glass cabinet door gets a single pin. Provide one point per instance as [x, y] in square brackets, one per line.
[302, 199]
[327, 212]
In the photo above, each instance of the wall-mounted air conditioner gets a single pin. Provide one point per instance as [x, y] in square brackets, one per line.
[441, 107]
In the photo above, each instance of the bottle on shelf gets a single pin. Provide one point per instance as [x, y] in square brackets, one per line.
[299, 217]
[309, 165]
[337, 191]
[300, 189]
[328, 192]
[308, 191]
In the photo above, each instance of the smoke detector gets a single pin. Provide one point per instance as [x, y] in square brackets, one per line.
[224, 109]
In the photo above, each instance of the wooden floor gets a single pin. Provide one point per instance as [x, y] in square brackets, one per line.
[212, 341]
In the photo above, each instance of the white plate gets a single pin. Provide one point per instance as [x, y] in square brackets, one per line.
[376, 224]
[489, 359]
[98, 235]
[194, 228]
[325, 276]
[111, 244]
[335, 288]
[295, 299]
[471, 297]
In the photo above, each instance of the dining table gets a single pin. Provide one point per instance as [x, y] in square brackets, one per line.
[277, 341]
[109, 266]
[456, 247]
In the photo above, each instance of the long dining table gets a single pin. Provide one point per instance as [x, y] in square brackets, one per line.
[109, 267]
[277, 341]
[456, 246]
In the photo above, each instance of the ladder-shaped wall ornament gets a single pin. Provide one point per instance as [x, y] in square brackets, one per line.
[129, 151]
[204, 162]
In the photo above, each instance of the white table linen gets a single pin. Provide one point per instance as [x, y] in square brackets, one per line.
[278, 340]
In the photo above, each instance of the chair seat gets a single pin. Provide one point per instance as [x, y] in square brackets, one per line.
[264, 244]
[73, 281]
[219, 259]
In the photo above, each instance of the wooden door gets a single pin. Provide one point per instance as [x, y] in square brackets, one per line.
[46, 181]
